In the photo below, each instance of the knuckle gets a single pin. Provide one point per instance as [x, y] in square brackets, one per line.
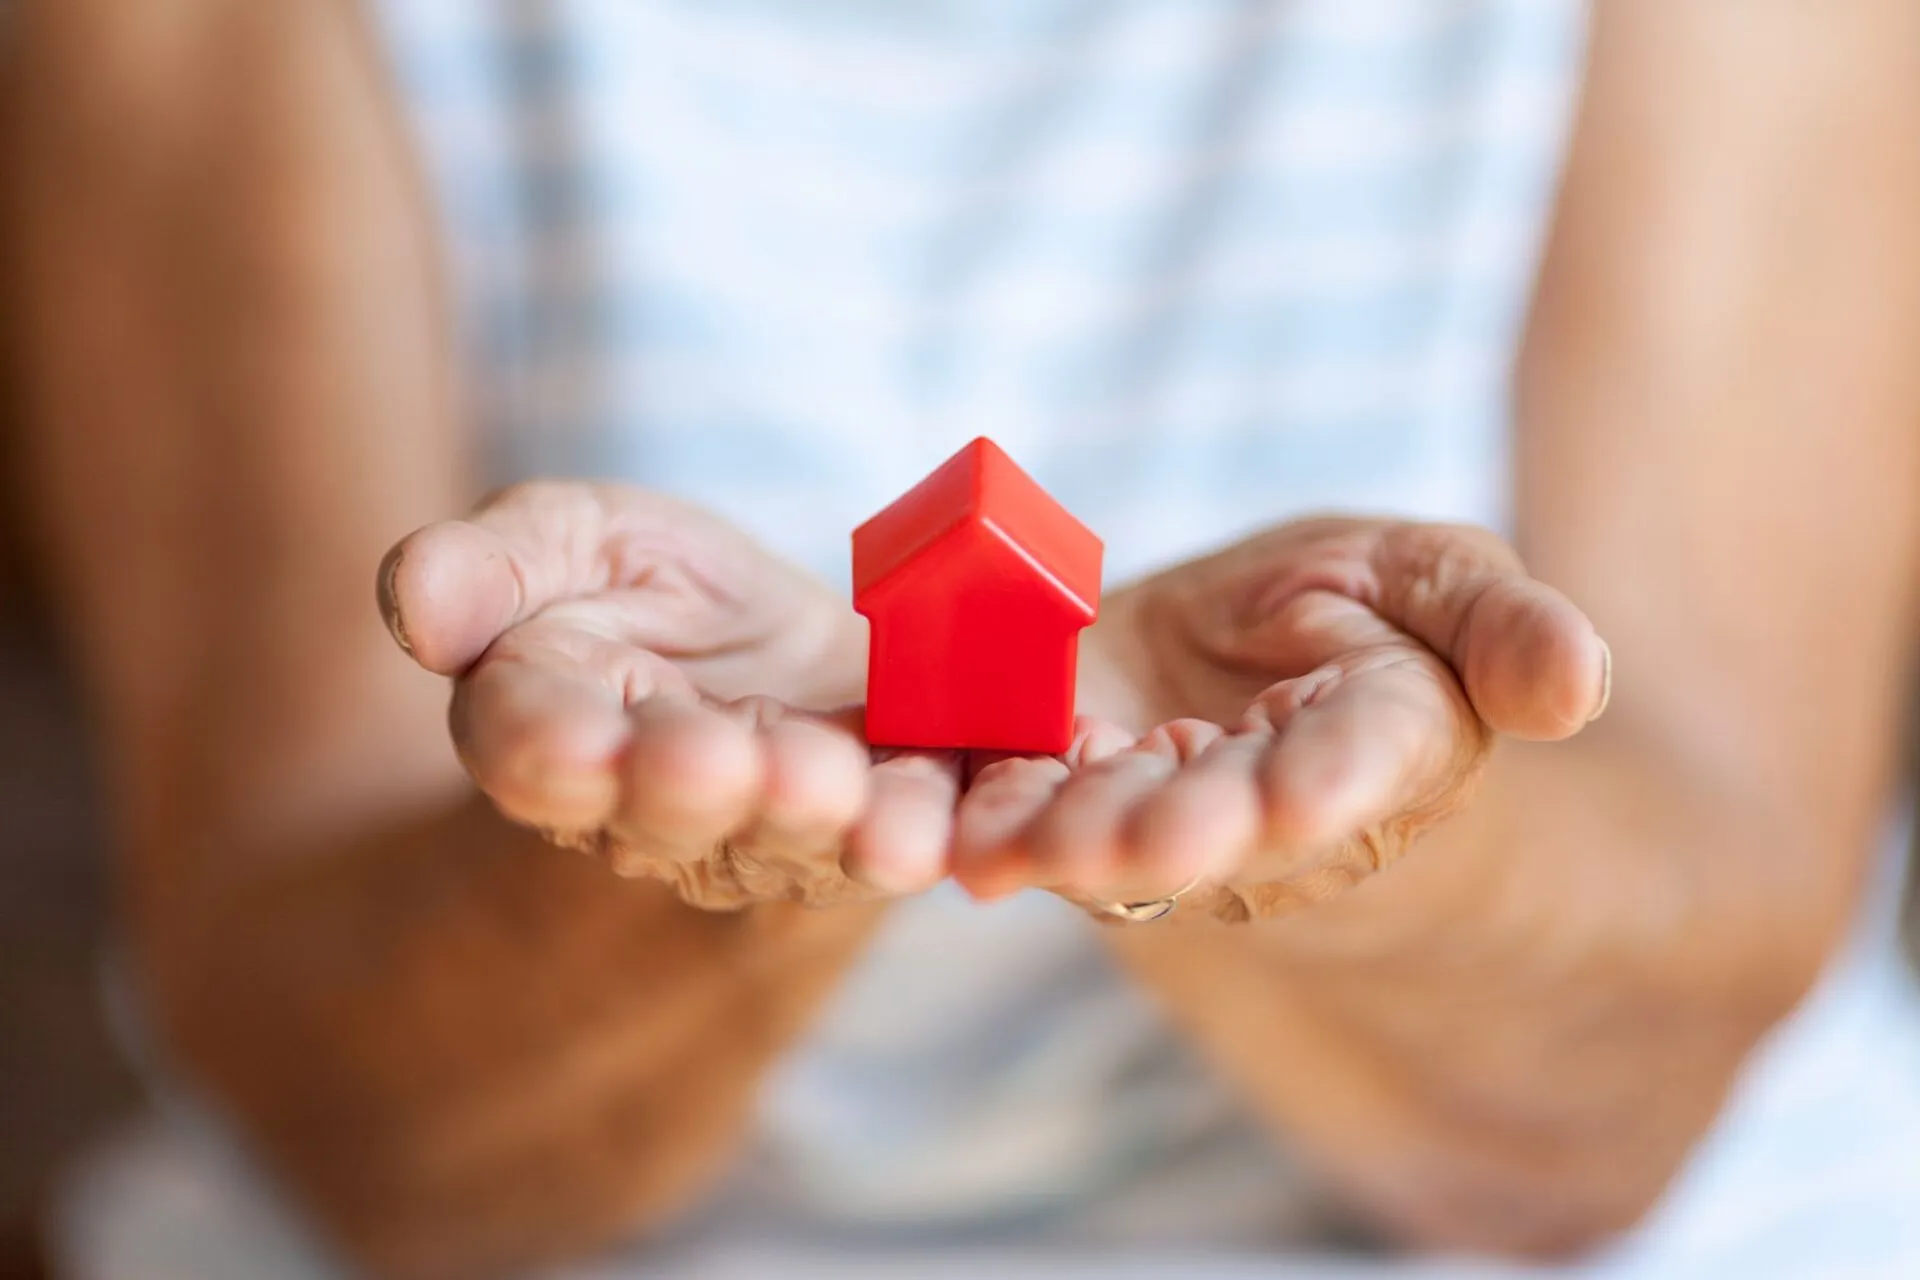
[1462, 547]
[1444, 557]
[533, 495]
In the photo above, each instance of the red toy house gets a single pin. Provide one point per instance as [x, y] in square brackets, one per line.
[977, 585]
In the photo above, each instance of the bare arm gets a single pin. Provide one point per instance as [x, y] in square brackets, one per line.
[1720, 461]
[463, 1049]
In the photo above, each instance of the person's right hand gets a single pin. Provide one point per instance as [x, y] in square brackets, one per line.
[638, 679]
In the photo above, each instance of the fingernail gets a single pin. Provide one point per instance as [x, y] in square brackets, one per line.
[389, 602]
[1606, 682]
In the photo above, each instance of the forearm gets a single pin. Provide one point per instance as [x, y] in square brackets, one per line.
[223, 282]
[1511, 1039]
[472, 1051]
[463, 1048]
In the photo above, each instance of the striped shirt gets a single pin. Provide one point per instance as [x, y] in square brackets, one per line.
[1199, 265]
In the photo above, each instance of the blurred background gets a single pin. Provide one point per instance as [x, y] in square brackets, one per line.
[62, 1083]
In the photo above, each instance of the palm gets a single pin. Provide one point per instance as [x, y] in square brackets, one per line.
[631, 676]
[1317, 697]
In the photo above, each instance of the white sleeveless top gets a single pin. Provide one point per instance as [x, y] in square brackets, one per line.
[1199, 265]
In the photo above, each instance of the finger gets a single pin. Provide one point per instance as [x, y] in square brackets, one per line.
[541, 725]
[692, 776]
[814, 790]
[448, 590]
[1205, 821]
[1079, 842]
[900, 844]
[1004, 799]
[1096, 739]
[1211, 815]
[1391, 740]
[1530, 660]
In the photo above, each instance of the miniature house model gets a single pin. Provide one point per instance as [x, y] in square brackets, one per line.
[977, 585]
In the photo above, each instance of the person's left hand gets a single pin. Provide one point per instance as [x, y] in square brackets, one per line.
[1323, 692]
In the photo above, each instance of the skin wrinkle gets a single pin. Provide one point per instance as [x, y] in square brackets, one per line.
[517, 575]
[1305, 596]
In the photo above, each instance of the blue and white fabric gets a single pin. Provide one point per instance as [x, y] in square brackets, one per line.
[1199, 265]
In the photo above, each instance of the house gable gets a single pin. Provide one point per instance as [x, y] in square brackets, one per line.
[975, 564]
[913, 522]
[979, 502]
[1035, 525]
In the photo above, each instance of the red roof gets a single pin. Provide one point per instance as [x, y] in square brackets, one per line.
[981, 484]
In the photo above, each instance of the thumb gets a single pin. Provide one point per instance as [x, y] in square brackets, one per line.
[1529, 659]
[447, 591]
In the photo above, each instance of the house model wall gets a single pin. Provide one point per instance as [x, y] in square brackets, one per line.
[977, 584]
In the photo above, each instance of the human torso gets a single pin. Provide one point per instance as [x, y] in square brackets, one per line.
[1201, 264]
[1197, 266]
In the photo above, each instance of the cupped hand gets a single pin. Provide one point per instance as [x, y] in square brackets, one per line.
[636, 678]
[1314, 699]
